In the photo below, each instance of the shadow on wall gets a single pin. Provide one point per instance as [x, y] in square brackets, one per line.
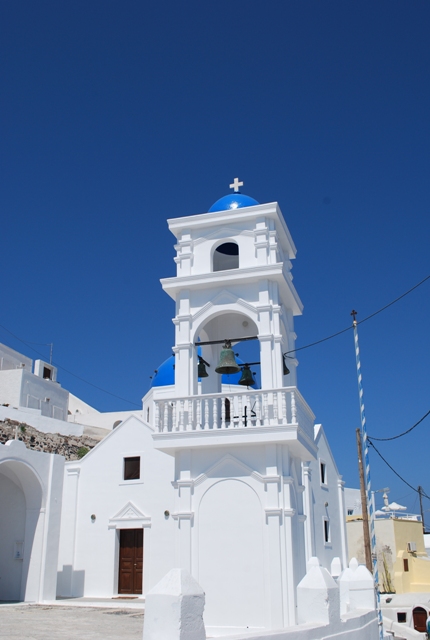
[70, 584]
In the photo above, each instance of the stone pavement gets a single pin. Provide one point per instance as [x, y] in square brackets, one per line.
[62, 622]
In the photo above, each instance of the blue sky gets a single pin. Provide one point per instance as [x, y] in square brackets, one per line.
[118, 115]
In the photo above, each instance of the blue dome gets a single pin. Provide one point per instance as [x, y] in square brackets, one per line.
[233, 201]
[166, 374]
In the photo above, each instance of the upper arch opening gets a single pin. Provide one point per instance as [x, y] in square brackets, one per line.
[226, 256]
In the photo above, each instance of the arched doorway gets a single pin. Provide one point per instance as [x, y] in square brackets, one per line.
[20, 555]
[419, 615]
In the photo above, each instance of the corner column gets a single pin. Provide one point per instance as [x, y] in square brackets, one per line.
[307, 500]
[273, 513]
[183, 513]
[340, 485]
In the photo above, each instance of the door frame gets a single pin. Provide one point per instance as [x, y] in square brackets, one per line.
[130, 517]
[131, 593]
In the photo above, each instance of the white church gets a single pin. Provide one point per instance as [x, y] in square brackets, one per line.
[221, 476]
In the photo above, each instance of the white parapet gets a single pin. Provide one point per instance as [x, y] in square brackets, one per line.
[336, 568]
[318, 596]
[362, 590]
[174, 609]
[357, 589]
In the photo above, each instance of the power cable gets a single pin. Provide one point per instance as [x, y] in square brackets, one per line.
[70, 372]
[338, 333]
[395, 472]
[401, 434]
[312, 344]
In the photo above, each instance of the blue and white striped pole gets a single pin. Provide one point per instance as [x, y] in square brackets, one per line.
[367, 477]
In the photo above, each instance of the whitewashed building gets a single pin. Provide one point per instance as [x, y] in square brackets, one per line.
[233, 483]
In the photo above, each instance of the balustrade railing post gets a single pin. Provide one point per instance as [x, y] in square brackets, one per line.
[265, 409]
[166, 416]
[239, 410]
[191, 414]
[157, 417]
[284, 406]
[182, 424]
[206, 427]
[222, 413]
[215, 413]
[174, 416]
[199, 413]
[258, 411]
[293, 408]
[275, 407]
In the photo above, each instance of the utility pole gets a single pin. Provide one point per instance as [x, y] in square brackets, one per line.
[364, 449]
[366, 534]
[420, 493]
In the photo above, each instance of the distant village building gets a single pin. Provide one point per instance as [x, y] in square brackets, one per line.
[403, 562]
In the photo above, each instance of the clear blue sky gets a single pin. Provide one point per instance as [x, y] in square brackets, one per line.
[118, 115]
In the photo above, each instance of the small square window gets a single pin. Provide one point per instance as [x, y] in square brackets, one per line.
[326, 530]
[401, 616]
[323, 473]
[47, 373]
[132, 468]
[405, 564]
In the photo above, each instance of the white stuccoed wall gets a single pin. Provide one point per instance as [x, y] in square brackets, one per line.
[33, 481]
[330, 492]
[21, 388]
[11, 359]
[88, 560]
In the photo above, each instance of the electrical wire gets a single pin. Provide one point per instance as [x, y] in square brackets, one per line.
[394, 471]
[70, 372]
[375, 313]
[312, 344]
[404, 432]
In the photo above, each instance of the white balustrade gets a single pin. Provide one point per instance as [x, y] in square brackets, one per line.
[237, 410]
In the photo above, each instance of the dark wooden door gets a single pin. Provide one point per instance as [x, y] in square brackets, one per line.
[420, 618]
[130, 561]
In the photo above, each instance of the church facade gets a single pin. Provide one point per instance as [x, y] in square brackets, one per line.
[220, 475]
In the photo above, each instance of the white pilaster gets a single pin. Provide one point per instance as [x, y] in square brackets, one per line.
[308, 511]
[341, 507]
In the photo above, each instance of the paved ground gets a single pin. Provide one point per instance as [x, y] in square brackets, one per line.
[58, 622]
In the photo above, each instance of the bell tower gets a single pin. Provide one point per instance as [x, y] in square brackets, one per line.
[239, 501]
[233, 281]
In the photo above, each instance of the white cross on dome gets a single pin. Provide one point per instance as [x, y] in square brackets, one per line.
[236, 184]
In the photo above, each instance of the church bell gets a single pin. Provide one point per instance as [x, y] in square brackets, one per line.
[201, 368]
[247, 379]
[227, 361]
[285, 368]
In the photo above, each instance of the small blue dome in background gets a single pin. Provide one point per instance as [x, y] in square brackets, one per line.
[166, 375]
[233, 201]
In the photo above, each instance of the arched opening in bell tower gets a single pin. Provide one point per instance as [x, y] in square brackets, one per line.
[227, 326]
[226, 256]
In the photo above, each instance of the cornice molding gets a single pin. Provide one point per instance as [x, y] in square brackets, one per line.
[183, 515]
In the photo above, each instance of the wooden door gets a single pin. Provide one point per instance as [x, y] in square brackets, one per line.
[420, 618]
[130, 561]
